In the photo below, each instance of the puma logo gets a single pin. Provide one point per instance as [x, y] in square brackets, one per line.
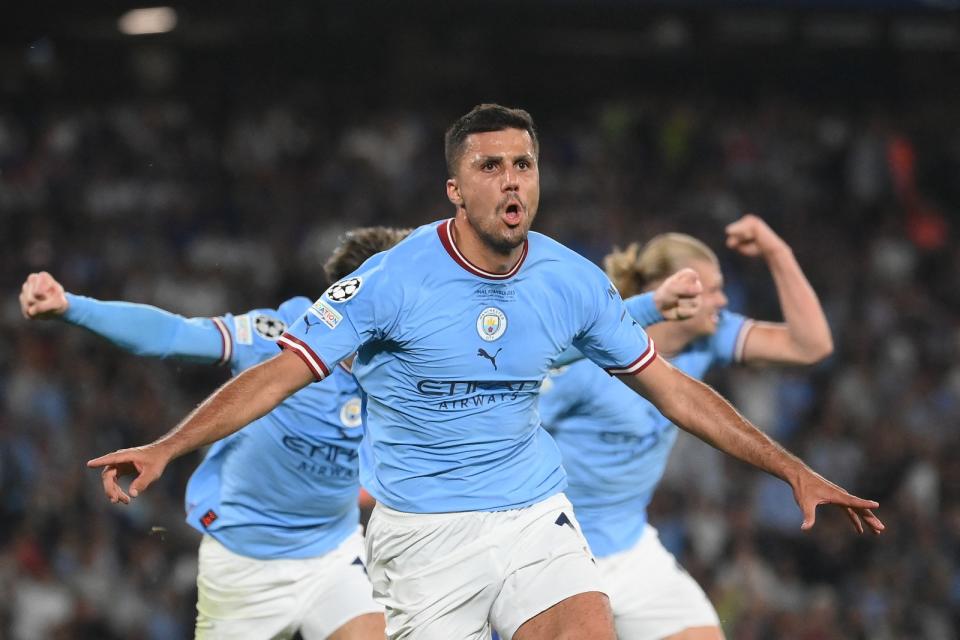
[492, 358]
[306, 321]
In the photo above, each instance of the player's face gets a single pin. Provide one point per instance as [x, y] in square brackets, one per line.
[712, 300]
[498, 187]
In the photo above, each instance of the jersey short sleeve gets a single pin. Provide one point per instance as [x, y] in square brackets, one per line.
[360, 308]
[731, 335]
[610, 336]
[644, 310]
[250, 338]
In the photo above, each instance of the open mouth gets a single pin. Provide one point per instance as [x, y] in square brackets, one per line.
[513, 213]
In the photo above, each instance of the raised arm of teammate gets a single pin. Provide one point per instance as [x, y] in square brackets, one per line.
[804, 336]
[138, 328]
[250, 395]
[148, 331]
[696, 408]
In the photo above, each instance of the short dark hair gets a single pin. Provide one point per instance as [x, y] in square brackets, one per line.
[357, 245]
[481, 119]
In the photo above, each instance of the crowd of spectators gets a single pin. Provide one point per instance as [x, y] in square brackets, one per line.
[204, 209]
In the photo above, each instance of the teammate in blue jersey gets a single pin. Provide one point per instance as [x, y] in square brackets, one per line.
[455, 329]
[281, 548]
[616, 444]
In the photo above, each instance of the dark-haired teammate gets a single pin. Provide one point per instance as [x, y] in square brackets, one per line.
[277, 501]
[471, 527]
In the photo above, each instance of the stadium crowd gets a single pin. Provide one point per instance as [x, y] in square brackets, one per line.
[205, 209]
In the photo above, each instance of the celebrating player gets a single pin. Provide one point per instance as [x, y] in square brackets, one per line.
[455, 329]
[616, 444]
[277, 501]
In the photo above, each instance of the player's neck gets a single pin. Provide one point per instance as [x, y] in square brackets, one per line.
[478, 252]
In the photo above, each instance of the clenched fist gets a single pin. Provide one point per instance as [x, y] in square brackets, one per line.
[678, 297]
[42, 297]
[752, 237]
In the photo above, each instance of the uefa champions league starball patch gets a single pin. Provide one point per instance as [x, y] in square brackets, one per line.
[491, 324]
[269, 328]
[344, 290]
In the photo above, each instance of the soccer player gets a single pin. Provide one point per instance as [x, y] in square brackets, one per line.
[616, 444]
[455, 329]
[277, 501]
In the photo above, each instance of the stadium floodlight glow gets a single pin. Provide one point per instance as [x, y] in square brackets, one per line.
[138, 22]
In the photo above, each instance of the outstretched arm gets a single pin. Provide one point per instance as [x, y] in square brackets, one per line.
[804, 336]
[138, 328]
[695, 407]
[249, 396]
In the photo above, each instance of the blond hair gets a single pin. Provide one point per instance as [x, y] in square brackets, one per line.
[635, 269]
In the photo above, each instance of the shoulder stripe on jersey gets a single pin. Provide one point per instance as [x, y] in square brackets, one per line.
[741, 342]
[445, 231]
[639, 364]
[226, 341]
[302, 349]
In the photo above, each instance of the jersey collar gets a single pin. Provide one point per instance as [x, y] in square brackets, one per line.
[445, 231]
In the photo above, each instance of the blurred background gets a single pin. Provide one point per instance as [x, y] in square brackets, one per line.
[206, 157]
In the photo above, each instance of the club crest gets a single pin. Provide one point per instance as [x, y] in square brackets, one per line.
[351, 413]
[491, 324]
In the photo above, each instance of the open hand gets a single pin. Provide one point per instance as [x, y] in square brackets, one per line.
[146, 463]
[811, 489]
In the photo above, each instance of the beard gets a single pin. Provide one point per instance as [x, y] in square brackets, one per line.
[499, 237]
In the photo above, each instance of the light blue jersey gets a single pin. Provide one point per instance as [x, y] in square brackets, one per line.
[286, 485]
[615, 444]
[451, 359]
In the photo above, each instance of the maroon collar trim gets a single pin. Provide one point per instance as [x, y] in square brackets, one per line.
[445, 231]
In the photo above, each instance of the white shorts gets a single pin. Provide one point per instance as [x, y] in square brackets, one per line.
[650, 593]
[454, 575]
[242, 597]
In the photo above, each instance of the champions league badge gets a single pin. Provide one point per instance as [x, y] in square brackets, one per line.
[268, 328]
[491, 324]
[344, 290]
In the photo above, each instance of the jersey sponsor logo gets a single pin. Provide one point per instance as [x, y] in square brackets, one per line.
[269, 328]
[324, 459]
[327, 314]
[350, 413]
[242, 329]
[344, 290]
[457, 395]
[492, 358]
[439, 388]
[612, 292]
[491, 324]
